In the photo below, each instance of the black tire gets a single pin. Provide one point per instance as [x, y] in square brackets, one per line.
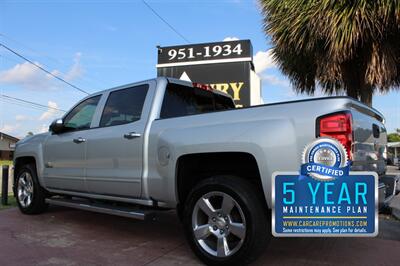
[254, 209]
[38, 200]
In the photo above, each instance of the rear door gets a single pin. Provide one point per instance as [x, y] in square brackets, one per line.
[115, 147]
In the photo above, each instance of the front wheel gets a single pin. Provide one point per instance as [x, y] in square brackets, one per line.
[226, 221]
[30, 195]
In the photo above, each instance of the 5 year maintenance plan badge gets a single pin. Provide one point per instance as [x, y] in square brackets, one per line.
[324, 199]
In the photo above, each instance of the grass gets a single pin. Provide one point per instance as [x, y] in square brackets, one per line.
[11, 203]
[5, 162]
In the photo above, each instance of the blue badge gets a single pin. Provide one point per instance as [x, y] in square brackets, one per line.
[325, 159]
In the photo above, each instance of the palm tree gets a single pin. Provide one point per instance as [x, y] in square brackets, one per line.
[341, 46]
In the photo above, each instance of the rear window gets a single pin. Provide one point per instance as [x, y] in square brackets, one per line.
[124, 106]
[181, 100]
[364, 147]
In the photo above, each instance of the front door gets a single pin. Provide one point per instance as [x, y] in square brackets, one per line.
[64, 153]
[115, 147]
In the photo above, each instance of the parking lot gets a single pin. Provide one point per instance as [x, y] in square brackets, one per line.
[70, 237]
[63, 236]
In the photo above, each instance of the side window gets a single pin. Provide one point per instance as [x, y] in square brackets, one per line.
[124, 106]
[81, 116]
[182, 100]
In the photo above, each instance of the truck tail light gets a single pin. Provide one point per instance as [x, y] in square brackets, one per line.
[337, 126]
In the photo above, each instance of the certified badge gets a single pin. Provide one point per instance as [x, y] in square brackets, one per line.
[325, 159]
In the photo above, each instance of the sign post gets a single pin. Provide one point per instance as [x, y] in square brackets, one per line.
[225, 66]
[4, 184]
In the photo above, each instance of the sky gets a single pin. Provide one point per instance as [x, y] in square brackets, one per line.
[98, 44]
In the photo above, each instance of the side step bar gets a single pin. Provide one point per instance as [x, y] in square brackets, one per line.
[101, 208]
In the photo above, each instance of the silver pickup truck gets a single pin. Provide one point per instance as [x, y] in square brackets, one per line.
[168, 144]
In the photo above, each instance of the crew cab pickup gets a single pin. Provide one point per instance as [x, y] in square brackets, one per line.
[169, 144]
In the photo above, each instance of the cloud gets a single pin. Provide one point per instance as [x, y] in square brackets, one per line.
[263, 60]
[26, 75]
[29, 76]
[228, 39]
[10, 129]
[274, 80]
[76, 70]
[43, 128]
[284, 85]
[21, 118]
[51, 112]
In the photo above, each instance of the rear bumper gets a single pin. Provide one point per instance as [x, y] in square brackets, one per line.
[389, 186]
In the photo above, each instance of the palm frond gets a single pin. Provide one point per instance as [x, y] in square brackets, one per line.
[339, 45]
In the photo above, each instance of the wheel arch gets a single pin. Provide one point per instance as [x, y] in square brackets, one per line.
[20, 162]
[193, 168]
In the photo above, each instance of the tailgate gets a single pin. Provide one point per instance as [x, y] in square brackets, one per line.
[370, 138]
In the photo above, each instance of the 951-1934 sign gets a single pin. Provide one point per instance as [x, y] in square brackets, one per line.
[206, 51]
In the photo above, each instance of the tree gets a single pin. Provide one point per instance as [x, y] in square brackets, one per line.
[30, 133]
[393, 137]
[341, 46]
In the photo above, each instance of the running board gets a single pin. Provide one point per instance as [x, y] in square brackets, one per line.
[86, 205]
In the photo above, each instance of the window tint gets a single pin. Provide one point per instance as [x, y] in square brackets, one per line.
[124, 106]
[365, 147]
[81, 116]
[223, 103]
[181, 100]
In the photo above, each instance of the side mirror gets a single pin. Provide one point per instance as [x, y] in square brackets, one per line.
[57, 126]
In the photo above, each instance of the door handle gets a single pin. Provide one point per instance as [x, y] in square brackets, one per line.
[132, 135]
[79, 140]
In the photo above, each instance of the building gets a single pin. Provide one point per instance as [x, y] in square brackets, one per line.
[7, 146]
[394, 151]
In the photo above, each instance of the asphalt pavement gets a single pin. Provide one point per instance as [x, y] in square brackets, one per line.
[63, 236]
[69, 237]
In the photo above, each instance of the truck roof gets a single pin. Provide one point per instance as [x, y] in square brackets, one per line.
[354, 103]
[171, 80]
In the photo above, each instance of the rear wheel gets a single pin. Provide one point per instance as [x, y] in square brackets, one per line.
[30, 195]
[226, 222]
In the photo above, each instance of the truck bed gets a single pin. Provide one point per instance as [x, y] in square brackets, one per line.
[275, 134]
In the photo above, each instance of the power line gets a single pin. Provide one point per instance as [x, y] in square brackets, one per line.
[166, 22]
[43, 69]
[30, 103]
[36, 52]
[3, 100]
[58, 61]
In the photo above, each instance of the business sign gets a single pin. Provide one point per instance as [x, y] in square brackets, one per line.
[225, 66]
[324, 198]
[232, 51]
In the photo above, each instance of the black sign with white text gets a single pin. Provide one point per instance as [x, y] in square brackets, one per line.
[205, 51]
[225, 66]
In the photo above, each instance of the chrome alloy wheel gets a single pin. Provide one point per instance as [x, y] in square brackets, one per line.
[218, 224]
[25, 189]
